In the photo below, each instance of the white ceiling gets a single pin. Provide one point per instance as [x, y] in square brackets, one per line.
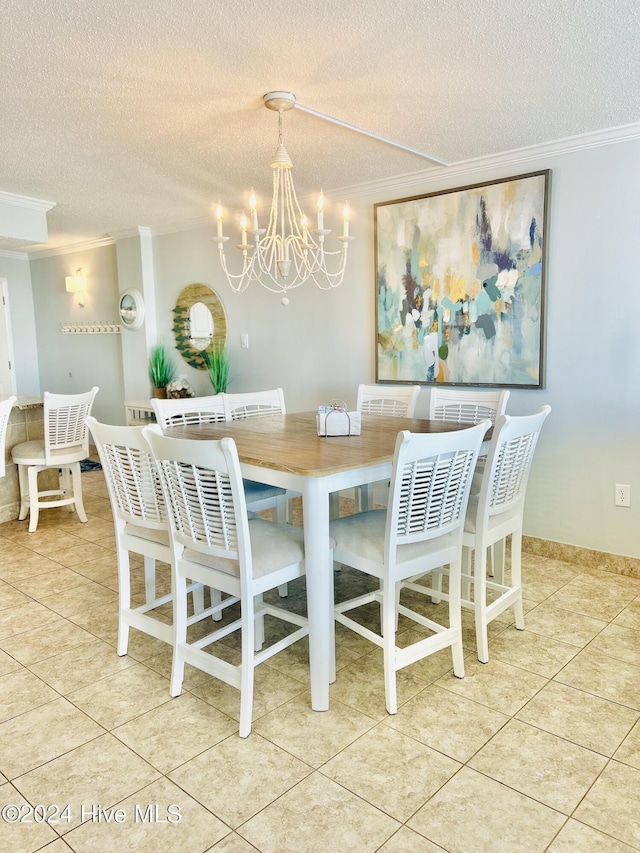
[147, 112]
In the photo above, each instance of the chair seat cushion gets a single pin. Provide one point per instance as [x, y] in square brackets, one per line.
[273, 546]
[29, 453]
[32, 453]
[150, 534]
[363, 534]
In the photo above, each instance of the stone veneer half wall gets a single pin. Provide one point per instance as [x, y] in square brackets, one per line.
[26, 423]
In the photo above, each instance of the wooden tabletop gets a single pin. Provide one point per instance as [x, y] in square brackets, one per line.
[291, 442]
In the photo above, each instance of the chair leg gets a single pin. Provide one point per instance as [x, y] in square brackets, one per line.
[455, 618]
[389, 645]
[149, 579]
[279, 513]
[65, 486]
[77, 491]
[216, 598]
[480, 603]
[23, 478]
[516, 576]
[498, 553]
[198, 599]
[247, 667]
[334, 505]
[258, 639]
[34, 506]
[467, 565]
[124, 600]
[332, 635]
[180, 633]
[365, 494]
[436, 585]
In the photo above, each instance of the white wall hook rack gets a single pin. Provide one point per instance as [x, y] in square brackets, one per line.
[91, 328]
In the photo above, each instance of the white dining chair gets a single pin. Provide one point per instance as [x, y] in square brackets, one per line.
[254, 404]
[212, 409]
[216, 543]
[466, 405]
[64, 446]
[398, 401]
[141, 527]
[420, 530]
[188, 410]
[493, 515]
[5, 412]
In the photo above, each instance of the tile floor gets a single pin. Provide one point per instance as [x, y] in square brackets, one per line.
[537, 750]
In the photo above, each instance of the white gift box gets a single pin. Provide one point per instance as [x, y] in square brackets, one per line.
[337, 422]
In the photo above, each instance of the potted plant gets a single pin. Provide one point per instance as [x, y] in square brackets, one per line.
[161, 370]
[217, 368]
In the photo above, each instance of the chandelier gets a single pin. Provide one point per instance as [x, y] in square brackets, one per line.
[288, 251]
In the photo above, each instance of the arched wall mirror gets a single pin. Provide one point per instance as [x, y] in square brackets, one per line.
[199, 324]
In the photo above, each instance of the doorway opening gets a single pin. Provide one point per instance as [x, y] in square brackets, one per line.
[7, 369]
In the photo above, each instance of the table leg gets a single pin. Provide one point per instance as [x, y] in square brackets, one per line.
[319, 580]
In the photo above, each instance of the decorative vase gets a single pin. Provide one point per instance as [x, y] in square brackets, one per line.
[160, 393]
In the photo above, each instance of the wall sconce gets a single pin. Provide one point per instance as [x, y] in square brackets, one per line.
[77, 284]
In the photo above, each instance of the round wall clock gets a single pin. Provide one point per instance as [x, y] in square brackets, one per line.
[131, 309]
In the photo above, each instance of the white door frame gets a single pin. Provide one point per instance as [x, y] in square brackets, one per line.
[7, 361]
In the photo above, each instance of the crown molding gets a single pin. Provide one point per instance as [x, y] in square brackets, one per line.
[185, 225]
[34, 254]
[14, 256]
[25, 201]
[558, 147]
[134, 231]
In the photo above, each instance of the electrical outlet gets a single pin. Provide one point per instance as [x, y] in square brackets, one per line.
[623, 495]
[244, 341]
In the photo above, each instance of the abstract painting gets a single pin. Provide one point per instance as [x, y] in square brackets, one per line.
[460, 279]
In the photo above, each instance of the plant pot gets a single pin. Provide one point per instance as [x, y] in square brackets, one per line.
[160, 393]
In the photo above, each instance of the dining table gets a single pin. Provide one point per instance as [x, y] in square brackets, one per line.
[286, 451]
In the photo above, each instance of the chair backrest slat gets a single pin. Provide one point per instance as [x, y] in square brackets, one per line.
[254, 404]
[396, 400]
[205, 499]
[509, 464]
[65, 422]
[190, 410]
[201, 505]
[466, 406]
[132, 478]
[430, 484]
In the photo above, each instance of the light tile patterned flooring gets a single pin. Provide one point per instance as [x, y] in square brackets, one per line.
[537, 750]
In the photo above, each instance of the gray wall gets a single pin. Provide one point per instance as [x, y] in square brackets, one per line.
[70, 364]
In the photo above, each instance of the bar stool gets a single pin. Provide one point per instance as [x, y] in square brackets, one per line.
[65, 444]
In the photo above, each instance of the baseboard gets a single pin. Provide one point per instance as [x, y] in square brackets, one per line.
[615, 563]
[9, 512]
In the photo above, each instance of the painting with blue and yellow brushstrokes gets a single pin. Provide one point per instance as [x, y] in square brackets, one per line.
[460, 283]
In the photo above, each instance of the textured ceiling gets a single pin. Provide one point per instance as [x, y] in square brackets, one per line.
[146, 113]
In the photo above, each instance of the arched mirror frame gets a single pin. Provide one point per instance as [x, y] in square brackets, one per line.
[187, 298]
